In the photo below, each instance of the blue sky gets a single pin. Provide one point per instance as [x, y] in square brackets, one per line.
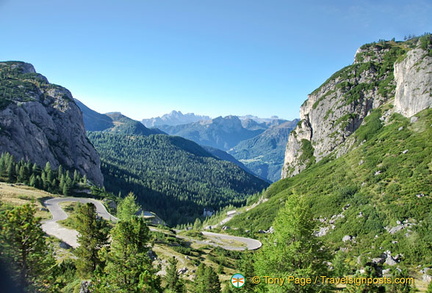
[145, 58]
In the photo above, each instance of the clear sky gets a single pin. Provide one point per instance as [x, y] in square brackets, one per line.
[145, 58]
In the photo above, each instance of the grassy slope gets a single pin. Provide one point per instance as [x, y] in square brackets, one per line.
[17, 194]
[380, 181]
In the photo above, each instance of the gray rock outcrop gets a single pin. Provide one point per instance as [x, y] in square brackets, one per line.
[380, 74]
[40, 122]
[413, 78]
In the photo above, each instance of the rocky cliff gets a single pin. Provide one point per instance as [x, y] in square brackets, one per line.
[413, 77]
[397, 74]
[40, 122]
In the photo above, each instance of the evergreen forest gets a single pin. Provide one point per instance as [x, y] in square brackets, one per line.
[171, 176]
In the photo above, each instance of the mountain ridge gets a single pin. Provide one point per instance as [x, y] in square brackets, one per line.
[114, 122]
[264, 153]
[40, 122]
[173, 118]
[384, 72]
[230, 133]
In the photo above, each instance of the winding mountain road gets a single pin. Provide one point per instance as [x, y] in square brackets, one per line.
[69, 236]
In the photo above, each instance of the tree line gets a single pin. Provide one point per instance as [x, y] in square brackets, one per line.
[60, 181]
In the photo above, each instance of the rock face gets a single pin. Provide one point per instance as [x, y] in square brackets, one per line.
[40, 122]
[391, 73]
[413, 83]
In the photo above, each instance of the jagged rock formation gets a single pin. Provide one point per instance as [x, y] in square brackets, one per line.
[221, 132]
[174, 118]
[397, 73]
[40, 122]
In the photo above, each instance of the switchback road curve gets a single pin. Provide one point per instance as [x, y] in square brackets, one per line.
[69, 236]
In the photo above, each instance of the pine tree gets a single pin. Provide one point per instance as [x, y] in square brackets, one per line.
[197, 224]
[48, 171]
[246, 268]
[206, 280]
[24, 244]
[67, 185]
[129, 268]
[127, 208]
[22, 173]
[76, 177]
[93, 236]
[174, 283]
[32, 181]
[10, 170]
[200, 279]
[293, 250]
[213, 283]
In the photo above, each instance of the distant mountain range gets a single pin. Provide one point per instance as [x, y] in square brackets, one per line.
[258, 143]
[264, 153]
[173, 118]
[253, 143]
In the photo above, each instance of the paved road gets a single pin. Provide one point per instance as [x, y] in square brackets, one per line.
[69, 236]
[251, 244]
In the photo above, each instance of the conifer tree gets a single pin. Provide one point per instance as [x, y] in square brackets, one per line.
[48, 170]
[206, 280]
[10, 170]
[174, 283]
[200, 279]
[93, 236]
[213, 283]
[76, 177]
[293, 250]
[24, 244]
[246, 268]
[127, 208]
[59, 172]
[129, 267]
[197, 224]
[32, 181]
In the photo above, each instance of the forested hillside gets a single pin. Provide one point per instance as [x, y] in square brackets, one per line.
[171, 176]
